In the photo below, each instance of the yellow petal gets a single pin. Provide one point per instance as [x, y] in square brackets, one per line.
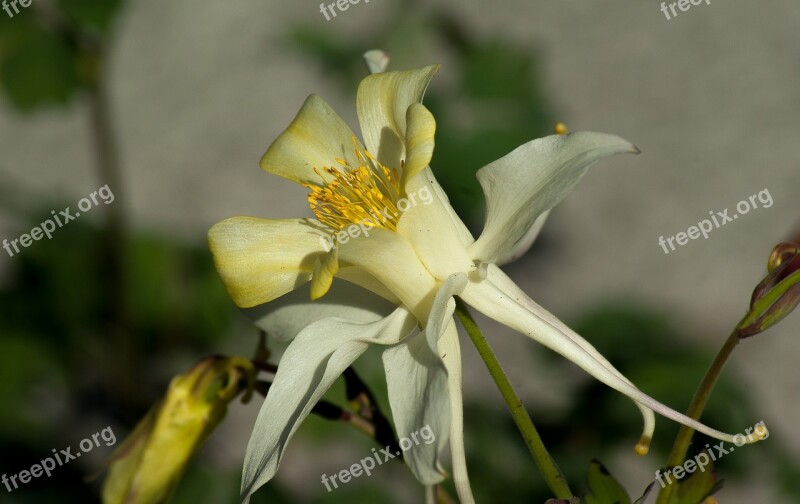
[260, 259]
[324, 270]
[382, 102]
[420, 132]
[366, 281]
[314, 139]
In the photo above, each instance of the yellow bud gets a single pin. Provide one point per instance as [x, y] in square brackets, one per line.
[147, 466]
[560, 129]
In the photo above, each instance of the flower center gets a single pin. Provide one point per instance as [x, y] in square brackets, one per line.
[366, 194]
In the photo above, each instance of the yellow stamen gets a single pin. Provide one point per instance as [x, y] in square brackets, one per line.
[560, 129]
[367, 193]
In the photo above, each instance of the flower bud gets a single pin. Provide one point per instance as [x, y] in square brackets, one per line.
[777, 294]
[147, 466]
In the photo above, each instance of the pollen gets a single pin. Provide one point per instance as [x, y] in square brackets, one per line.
[363, 194]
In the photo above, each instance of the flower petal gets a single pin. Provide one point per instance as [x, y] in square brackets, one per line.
[496, 276]
[314, 139]
[436, 234]
[441, 330]
[444, 202]
[310, 365]
[420, 133]
[325, 268]
[496, 304]
[367, 281]
[390, 259]
[450, 350]
[285, 317]
[531, 180]
[382, 102]
[518, 249]
[417, 385]
[262, 259]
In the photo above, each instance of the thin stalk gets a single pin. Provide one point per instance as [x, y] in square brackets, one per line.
[698, 404]
[109, 173]
[544, 461]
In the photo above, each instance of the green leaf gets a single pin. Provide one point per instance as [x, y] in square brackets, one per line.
[603, 488]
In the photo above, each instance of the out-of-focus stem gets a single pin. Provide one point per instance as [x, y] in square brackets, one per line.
[698, 404]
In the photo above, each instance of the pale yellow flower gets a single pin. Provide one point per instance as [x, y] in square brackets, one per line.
[413, 263]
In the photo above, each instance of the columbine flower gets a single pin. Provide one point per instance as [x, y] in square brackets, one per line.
[415, 260]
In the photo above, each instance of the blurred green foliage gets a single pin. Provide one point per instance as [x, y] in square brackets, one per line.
[47, 51]
[62, 363]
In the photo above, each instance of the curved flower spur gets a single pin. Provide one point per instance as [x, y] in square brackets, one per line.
[413, 259]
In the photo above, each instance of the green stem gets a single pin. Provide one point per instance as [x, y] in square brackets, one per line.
[698, 404]
[544, 461]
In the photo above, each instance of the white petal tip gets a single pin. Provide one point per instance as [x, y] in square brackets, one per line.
[377, 60]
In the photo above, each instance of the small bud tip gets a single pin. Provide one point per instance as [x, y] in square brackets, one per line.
[760, 432]
[560, 129]
[643, 446]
